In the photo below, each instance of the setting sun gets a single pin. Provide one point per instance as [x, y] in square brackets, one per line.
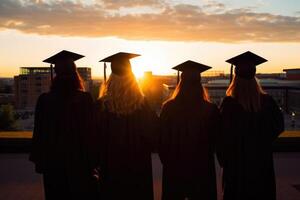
[138, 72]
[153, 60]
[150, 99]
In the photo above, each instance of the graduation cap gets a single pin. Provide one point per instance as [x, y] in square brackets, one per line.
[60, 57]
[190, 66]
[120, 57]
[245, 64]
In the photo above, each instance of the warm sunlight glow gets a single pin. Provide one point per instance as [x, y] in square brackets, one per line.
[138, 72]
[152, 60]
[156, 56]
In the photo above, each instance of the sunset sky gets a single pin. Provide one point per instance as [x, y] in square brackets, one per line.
[165, 32]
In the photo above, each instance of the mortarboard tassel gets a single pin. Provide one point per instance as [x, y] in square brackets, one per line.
[51, 72]
[231, 71]
[177, 77]
[105, 72]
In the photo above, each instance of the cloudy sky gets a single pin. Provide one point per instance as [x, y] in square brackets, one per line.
[165, 32]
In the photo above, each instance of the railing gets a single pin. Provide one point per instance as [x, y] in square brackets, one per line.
[288, 98]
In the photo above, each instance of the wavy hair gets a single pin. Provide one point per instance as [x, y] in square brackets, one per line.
[121, 94]
[246, 92]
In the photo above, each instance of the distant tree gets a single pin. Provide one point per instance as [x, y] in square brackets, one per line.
[7, 117]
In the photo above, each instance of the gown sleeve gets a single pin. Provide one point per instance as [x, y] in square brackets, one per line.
[275, 118]
[101, 132]
[164, 132]
[226, 119]
[36, 146]
[215, 127]
[89, 131]
[151, 127]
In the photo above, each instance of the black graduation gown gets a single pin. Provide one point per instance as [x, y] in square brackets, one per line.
[245, 149]
[61, 145]
[187, 150]
[125, 146]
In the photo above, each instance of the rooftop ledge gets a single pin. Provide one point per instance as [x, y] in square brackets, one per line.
[28, 134]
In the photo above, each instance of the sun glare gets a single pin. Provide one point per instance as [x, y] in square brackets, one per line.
[138, 72]
[151, 60]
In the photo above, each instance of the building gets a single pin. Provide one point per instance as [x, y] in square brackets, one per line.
[33, 81]
[86, 75]
[292, 74]
[29, 84]
[6, 91]
[6, 85]
[6, 98]
[270, 76]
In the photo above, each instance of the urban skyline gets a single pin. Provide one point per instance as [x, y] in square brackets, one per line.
[211, 124]
[165, 32]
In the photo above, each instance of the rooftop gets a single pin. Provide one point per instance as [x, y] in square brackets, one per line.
[42, 70]
[23, 183]
[294, 69]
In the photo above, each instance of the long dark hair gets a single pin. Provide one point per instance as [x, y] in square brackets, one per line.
[67, 79]
[246, 92]
[188, 91]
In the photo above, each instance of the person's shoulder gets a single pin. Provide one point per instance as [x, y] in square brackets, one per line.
[99, 101]
[168, 108]
[229, 103]
[228, 100]
[212, 107]
[43, 100]
[267, 100]
[267, 97]
[83, 93]
[168, 104]
[99, 104]
[44, 96]
[145, 103]
[210, 104]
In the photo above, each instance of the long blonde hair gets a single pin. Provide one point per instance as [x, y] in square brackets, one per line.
[121, 94]
[246, 92]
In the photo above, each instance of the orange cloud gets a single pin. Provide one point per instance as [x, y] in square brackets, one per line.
[182, 22]
[116, 4]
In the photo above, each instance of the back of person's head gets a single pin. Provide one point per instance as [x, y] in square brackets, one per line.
[247, 92]
[67, 79]
[189, 90]
[121, 67]
[121, 94]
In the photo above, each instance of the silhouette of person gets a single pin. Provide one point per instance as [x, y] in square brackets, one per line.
[189, 125]
[250, 121]
[61, 143]
[127, 134]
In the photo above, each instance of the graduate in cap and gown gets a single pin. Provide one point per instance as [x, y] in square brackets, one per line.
[251, 121]
[127, 132]
[62, 137]
[189, 125]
